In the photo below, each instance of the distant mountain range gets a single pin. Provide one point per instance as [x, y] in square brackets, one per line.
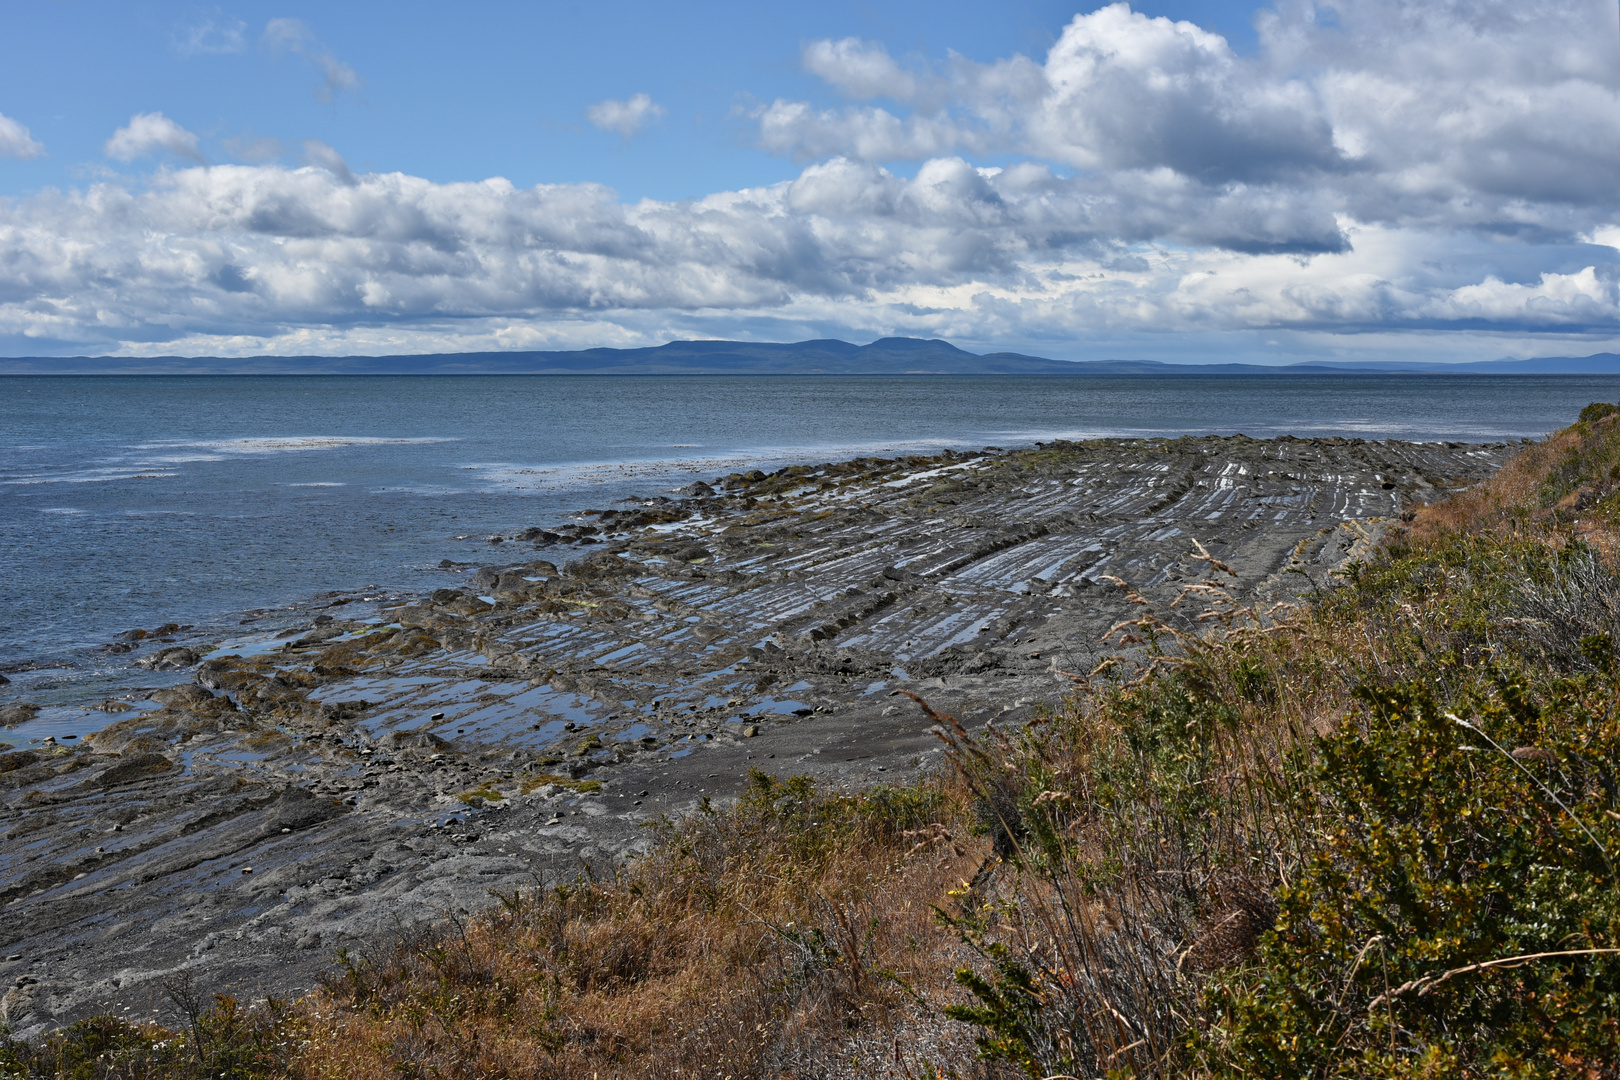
[886, 356]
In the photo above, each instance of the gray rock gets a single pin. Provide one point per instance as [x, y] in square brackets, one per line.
[17, 759]
[343, 710]
[130, 770]
[419, 739]
[168, 660]
[12, 715]
[512, 581]
[186, 694]
[27, 1005]
[297, 808]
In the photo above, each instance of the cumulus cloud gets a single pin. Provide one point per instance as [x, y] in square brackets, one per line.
[625, 117]
[234, 253]
[16, 142]
[294, 36]
[1442, 172]
[1482, 114]
[865, 70]
[151, 133]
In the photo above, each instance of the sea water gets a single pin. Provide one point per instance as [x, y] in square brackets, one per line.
[128, 502]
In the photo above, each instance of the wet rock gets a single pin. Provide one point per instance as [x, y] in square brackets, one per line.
[17, 759]
[417, 739]
[141, 766]
[26, 1005]
[603, 564]
[343, 710]
[513, 581]
[174, 659]
[12, 715]
[318, 636]
[4, 681]
[697, 490]
[298, 808]
[135, 746]
[187, 694]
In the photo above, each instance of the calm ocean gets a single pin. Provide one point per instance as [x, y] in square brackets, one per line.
[131, 502]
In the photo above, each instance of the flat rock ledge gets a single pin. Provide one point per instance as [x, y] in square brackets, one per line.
[537, 715]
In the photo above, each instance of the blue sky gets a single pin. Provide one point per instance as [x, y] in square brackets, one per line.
[475, 90]
[1354, 179]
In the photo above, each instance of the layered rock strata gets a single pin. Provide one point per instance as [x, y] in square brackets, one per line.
[534, 718]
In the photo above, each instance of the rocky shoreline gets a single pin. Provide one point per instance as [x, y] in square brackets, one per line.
[540, 717]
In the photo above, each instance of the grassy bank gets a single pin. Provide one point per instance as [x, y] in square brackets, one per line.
[1372, 835]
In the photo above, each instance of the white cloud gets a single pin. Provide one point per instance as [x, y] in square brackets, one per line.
[319, 153]
[1442, 174]
[150, 133]
[625, 117]
[1477, 114]
[795, 129]
[1606, 235]
[862, 69]
[210, 36]
[274, 258]
[294, 36]
[1577, 298]
[16, 141]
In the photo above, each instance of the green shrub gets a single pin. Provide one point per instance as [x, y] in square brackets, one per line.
[225, 1041]
[1449, 842]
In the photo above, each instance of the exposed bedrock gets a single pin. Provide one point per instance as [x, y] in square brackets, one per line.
[364, 776]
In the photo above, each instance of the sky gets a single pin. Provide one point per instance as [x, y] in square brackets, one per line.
[1365, 179]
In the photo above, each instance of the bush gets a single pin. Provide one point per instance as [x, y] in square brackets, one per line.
[223, 1041]
[1460, 914]
[1374, 836]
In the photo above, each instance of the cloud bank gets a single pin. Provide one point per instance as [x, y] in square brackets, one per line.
[1442, 176]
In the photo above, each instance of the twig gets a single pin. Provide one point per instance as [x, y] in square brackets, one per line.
[1603, 852]
[1427, 983]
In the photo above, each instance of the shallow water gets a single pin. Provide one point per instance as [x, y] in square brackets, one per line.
[131, 502]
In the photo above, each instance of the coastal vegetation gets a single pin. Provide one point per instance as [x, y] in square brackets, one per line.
[1370, 834]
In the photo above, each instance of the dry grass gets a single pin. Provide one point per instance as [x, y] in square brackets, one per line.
[789, 937]
[1567, 482]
